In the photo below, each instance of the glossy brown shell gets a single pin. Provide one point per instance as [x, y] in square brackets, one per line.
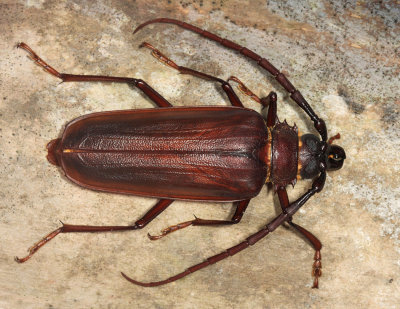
[204, 153]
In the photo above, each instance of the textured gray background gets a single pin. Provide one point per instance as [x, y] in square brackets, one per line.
[343, 57]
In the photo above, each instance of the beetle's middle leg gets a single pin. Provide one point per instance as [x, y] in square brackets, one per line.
[314, 241]
[267, 102]
[69, 228]
[232, 96]
[237, 216]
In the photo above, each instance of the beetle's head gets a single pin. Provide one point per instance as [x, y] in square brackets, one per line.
[316, 156]
[334, 157]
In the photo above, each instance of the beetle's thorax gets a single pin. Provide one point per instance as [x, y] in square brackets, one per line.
[284, 154]
[292, 156]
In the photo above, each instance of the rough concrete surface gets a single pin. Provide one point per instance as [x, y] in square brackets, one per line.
[342, 55]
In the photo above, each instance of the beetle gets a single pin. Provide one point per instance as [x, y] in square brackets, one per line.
[210, 153]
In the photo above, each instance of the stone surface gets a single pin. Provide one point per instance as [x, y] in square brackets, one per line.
[345, 60]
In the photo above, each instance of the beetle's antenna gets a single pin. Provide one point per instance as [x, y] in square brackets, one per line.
[332, 138]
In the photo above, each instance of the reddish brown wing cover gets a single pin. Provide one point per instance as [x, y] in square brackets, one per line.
[204, 153]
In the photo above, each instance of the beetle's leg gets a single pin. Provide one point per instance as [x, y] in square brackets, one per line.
[233, 98]
[68, 228]
[317, 186]
[268, 101]
[246, 91]
[237, 216]
[138, 83]
[319, 124]
[314, 241]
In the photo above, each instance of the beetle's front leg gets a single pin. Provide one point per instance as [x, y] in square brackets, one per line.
[69, 228]
[314, 241]
[288, 212]
[237, 216]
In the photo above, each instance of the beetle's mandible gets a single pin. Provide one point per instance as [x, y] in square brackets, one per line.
[194, 153]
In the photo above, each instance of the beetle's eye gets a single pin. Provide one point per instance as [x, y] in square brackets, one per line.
[335, 157]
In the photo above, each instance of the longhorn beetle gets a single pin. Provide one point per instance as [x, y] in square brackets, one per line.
[194, 153]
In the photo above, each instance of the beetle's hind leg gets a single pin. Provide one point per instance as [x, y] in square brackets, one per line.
[313, 240]
[237, 216]
[69, 228]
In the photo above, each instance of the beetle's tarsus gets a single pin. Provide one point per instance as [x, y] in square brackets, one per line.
[172, 228]
[18, 260]
[243, 89]
[39, 61]
[32, 250]
[156, 237]
[27, 257]
[160, 56]
[316, 268]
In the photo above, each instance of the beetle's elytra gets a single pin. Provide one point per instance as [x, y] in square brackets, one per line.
[194, 153]
[174, 153]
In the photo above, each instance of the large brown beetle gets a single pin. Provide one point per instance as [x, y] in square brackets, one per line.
[194, 153]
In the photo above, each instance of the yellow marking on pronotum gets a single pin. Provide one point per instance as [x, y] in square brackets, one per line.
[298, 161]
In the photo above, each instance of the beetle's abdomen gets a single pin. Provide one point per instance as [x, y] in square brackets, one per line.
[208, 153]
